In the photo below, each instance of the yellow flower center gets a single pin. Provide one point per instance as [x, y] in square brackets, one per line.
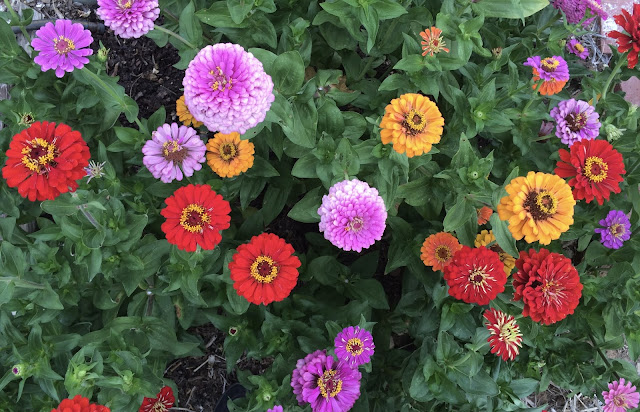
[125, 5]
[620, 401]
[264, 269]
[579, 47]
[552, 291]
[443, 253]
[541, 205]
[356, 224]
[509, 332]
[595, 169]
[228, 151]
[63, 45]
[194, 218]
[416, 121]
[617, 229]
[38, 157]
[220, 81]
[549, 64]
[329, 386]
[355, 346]
[173, 152]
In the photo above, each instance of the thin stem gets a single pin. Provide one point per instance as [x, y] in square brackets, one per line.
[364, 71]
[604, 358]
[15, 16]
[615, 71]
[172, 33]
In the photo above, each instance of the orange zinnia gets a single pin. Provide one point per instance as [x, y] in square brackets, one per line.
[185, 115]
[548, 87]
[413, 123]
[438, 249]
[433, 42]
[484, 214]
[228, 156]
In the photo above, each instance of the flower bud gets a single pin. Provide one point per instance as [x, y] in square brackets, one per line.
[26, 119]
[497, 52]
[103, 54]
[612, 132]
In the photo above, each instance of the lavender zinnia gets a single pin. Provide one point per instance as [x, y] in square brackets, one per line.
[63, 46]
[331, 387]
[129, 18]
[173, 151]
[227, 89]
[617, 229]
[302, 365]
[354, 346]
[620, 397]
[575, 47]
[353, 215]
[575, 120]
[550, 68]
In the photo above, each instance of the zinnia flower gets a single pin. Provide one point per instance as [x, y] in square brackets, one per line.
[554, 72]
[228, 156]
[331, 387]
[538, 207]
[617, 229]
[630, 40]
[46, 160]
[620, 397]
[413, 123]
[548, 285]
[227, 89]
[302, 365]
[576, 10]
[195, 216]
[353, 216]
[432, 41]
[172, 151]
[595, 168]
[79, 404]
[354, 346]
[484, 213]
[129, 18]
[276, 408]
[184, 115]
[505, 339]
[575, 47]
[63, 46]
[161, 403]
[94, 170]
[487, 238]
[264, 270]
[475, 275]
[575, 120]
[438, 249]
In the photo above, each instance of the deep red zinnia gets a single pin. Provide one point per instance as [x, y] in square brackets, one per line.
[505, 339]
[79, 404]
[629, 41]
[265, 269]
[548, 284]
[595, 168]
[475, 275]
[44, 161]
[161, 403]
[195, 216]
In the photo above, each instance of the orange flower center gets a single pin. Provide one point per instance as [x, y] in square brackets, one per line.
[443, 253]
[595, 169]
[415, 122]
[579, 47]
[541, 205]
[617, 230]
[39, 156]
[328, 384]
[576, 121]
[63, 45]
[228, 151]
[173, 152]
[220, 81]
[355, 346]
[264, 269]
[549, 64]
[194, 218]
[355, 225]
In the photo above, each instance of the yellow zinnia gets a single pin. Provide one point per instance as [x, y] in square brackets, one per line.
[486, 237]
[538, 207]
[184, 114]
[228, 156]
[413, 123]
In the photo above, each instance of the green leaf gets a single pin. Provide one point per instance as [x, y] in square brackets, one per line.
[503, 236]
[411, 63]
[462, 211]
[13, 260]
[369, 290]
[305, 167]
[8, 45]
[218, 15]
[369, 18]
[288, 72]
[190, 27]
[389, 9]
[509, 9]
[6, 291]
[306, 210]
[261, 168]
[238, 304]
[239, 9]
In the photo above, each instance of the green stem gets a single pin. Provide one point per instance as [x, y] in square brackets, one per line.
[551, 22]
[364, 71]
[15, 16]
[22, 283]
[174, 34]
[615, 71]
[604, 358]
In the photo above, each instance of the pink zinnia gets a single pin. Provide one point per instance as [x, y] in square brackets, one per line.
[62, 47]
[576, 120]
[575, 47]
[129, 18]
[331, 387]
[276, 408]
[620, 397]
[354, 346]
[550, 68]
[353, 216]
[302, 365]
[227, 89]
[172, 151]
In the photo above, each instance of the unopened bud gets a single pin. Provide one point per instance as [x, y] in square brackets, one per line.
[103, 54]
[612, 132]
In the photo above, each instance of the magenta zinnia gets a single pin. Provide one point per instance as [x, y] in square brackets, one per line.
[575, 47]
[227, 89]
[354, 346]
[329, 386]
[505, 339]
[353, 215]
[302, 365]
[129, 18]
[63, 46]
[620, 396]
[575, 120]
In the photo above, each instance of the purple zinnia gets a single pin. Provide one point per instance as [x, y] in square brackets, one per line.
[575, 10]
[549, 68]
[353, 215]
[172, 148]
[62, 47]
[331, 387]
[297, 379]
[620, 397]
[129, 18]
[227, 89]
[575, 47]
[354, 346]
[276, 408]
[617, 229]
[575, 120]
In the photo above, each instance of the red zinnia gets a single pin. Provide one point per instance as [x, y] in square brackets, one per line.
[475, 275]
[44, 161]
[595, 168]
[548, 284]
[79, 404]
[265, 269]
[161, 403]
[195, 216]
[631, 39]
[505, 339]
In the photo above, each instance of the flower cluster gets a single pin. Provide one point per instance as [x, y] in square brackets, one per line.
[553, 71]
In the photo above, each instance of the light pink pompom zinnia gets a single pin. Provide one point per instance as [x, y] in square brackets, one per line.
[620, 397]
[63, 46]
[129, 18]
